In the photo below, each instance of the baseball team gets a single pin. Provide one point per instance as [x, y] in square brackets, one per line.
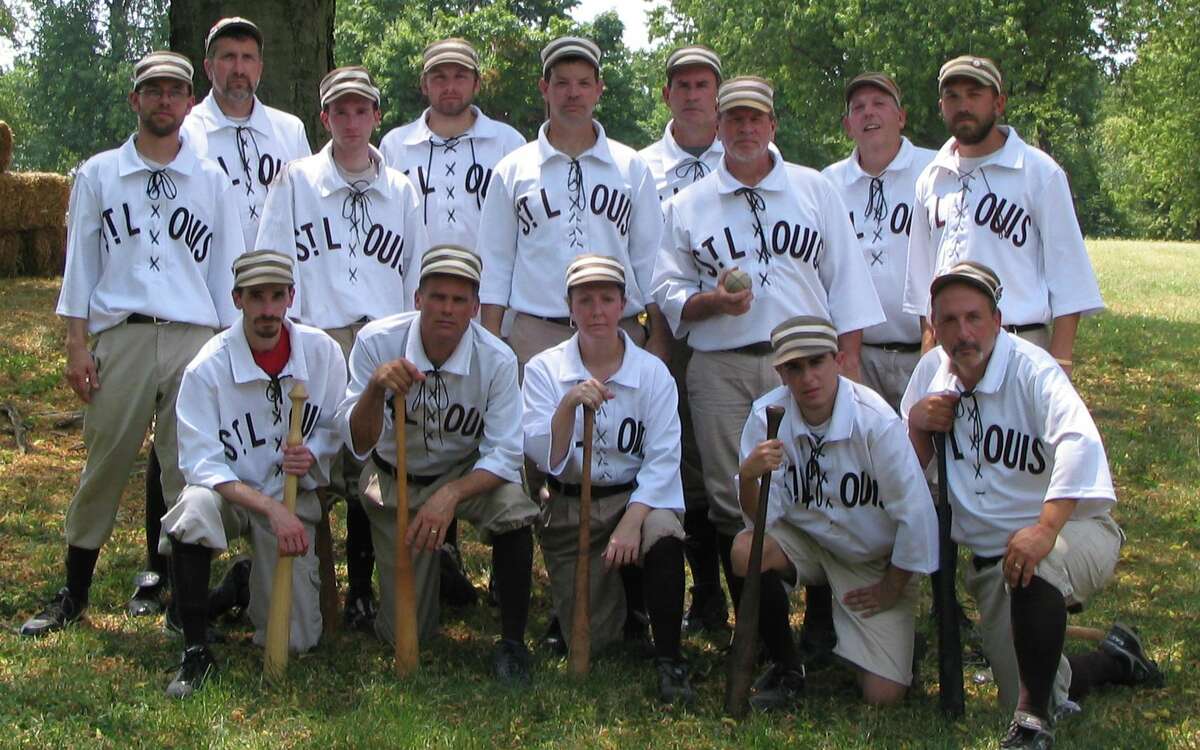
[500, 289]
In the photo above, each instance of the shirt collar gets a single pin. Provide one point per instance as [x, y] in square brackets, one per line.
[776, 179]
[459, 362]
[1011, 155]
[331, 181]
[246, 370]
[899, 163]
[599, 149]
[675, 155]
[419, 132]
[211, 111]
[993, 376]
[129, 161]
[841, 422]
[572, 370]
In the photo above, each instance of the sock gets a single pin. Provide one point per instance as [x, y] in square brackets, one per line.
[156, 508]
[1039, 627]
[360, 550]
[192, 566]
[664, 582]
[452, 534]
[701, 549]
[1091, 670]
[725, 549]
[81, 563]
[512, 564]
[635, 599]
[773, 625]
[818, 612]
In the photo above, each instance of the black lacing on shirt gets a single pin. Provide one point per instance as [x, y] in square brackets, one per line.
[757, 203]
[814, 477]
[603, 468]
[694, 168]
[578, 201]
[356, 208]
[432, 399]
[243, 155]
[275, 397]
[160, 185]
[971, 411]
[876, 202]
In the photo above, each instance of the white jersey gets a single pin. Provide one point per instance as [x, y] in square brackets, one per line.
[251, 153]
[1013, 213]
[358, 249]
[858, 488]
[470, 405]
[153, 242]
[543, 209]
[673, 168]
[636, 434]
[233, 417]
[881, 212]
[1022, 437]
[451, 174]
[790, 233]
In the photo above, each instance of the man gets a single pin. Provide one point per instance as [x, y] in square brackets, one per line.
[989, 197]
[354, 226]
[877, 183]
[786, 228]
[1031, 495]
[250, 140]
[449, 152]
[462, 405]
[234, 417]
[849, 506]
[689, 150]
[152, 232]
[572, 191]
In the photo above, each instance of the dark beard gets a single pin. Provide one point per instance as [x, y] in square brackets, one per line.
[973, 133]
[157, 130]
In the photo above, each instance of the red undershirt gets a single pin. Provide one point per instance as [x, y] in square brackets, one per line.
[274, 360]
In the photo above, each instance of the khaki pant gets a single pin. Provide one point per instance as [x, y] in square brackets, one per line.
[345, 468]
[505, 509]
[887, 372]
[722, 386]
[558, 534]
[691, 469]
[201, 516]
[882, 644]
[1038, 336]
[140, 366]
[1081, 563]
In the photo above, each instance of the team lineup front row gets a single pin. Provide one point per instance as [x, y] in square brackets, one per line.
[674, 294]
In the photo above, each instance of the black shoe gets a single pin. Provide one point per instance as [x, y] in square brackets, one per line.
[674, 685]
[511, 662]
[231, 597]
[1124, 644]
[148, 598]
[778, 687]
[1028, 732]
[553, 640]
[456, 590]
[708, 611]
[194, 668]
[816, 647]
[360, 610]
[62, 610]
[174, 627]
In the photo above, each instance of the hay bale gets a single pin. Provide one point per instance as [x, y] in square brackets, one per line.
[45, 251]
[6, 145]
[33, 200]
[11, 250]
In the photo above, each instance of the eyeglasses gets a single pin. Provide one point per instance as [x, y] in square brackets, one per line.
[173, 94]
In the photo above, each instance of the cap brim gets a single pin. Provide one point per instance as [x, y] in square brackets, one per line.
[453, 58]
[799, 352]
[941, 282]
[751, 103]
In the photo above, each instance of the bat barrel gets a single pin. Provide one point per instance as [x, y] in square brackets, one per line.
[951, 698]
[581, 613]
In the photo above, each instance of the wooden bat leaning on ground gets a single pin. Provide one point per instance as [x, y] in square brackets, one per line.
[581, 613]
[744, 653]
[951, 695]
[279, 616]
[405, 612]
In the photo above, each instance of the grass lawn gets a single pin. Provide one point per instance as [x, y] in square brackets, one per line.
[100, 684]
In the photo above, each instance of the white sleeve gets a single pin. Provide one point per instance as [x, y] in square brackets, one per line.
[904, 494]
[228, 244]
[277, 231]
[500, 451]
[645, 231]
[1066, 265]
[300, 147]
[497, 244]
[203, 457]
[541, 397]
[1080, 466]
[853, 303]
[920, 259]
[676, 274]
[84, 248]
[417, 238]
[658, 478]
[362, 365]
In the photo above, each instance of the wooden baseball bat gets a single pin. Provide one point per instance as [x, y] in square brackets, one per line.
[279, 616]
[951, 696]
[581, 614]
[744, 653]
[329, 595]
[405, 611]
[1083, 633]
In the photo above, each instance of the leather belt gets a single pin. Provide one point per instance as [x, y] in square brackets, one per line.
[573, 490]
[896, 346]
[1025, 327]
[135, 318]
[757, 349]
[556, 321]
[416, 479]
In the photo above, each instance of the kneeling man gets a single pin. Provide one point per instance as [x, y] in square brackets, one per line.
[233, 413]
[849, 507]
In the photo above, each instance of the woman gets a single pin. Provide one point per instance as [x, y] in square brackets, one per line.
[637, 498]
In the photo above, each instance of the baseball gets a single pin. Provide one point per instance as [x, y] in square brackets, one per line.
[736, 281]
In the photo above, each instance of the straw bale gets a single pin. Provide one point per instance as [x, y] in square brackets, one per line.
[11, 249]
[45, 251]
[32, 200]
[6, 146]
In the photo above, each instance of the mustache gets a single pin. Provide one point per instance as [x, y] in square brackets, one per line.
[964, 348]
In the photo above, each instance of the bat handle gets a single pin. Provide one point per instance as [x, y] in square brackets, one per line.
[406, 650]
[581, 614]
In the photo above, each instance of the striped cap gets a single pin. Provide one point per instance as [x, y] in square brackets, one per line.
[567, 47]
[162, 64]
[969, 272]
[451, 260]
[980, 69]
[590, 269]
[696, 54]
[453, 50]
[802, 336]
[230, 26]
[351, 79]
[746, 91]
[881, 81]
[262, 267]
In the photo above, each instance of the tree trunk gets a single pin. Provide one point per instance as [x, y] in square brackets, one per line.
[297, 53]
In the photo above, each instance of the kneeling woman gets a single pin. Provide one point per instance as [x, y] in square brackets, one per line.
[637, 498]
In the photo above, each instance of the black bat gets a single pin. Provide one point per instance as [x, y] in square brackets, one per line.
[744, 653]
[950, 666]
